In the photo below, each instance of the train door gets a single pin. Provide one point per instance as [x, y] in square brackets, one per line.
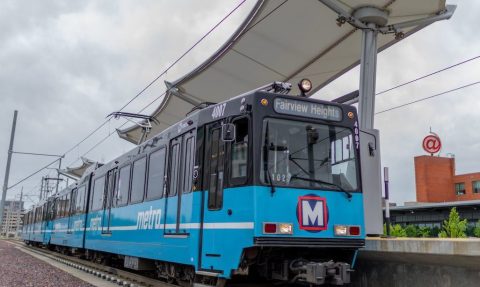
[173, 196]
[108, 199]
[47, 220]
[180, 151]
[214, 179]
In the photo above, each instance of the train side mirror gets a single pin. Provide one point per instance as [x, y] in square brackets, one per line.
[228, 132]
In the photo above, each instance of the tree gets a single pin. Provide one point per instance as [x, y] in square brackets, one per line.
[454, 226]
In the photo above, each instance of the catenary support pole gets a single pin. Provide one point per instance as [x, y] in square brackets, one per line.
[7, 169]
[58, 174]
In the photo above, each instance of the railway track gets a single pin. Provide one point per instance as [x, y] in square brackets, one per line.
[111, 274]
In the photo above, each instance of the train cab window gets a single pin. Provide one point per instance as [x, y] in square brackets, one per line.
[239, 152]
[174, 169]
[138, 180]
[189, 162]
[98, 193]
[80, 201]
[156, 174]
[123, 186]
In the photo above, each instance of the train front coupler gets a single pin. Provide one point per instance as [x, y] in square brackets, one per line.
[320, 273]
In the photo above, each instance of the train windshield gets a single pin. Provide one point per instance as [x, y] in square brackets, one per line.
[308, 155]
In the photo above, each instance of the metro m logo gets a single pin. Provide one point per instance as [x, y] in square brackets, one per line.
[312, 213]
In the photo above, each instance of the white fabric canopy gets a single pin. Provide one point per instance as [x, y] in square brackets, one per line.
[79, 170]
[279, 41]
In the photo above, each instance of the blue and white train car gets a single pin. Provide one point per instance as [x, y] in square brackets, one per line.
[262, 185]
[68, 217]
[264, 181]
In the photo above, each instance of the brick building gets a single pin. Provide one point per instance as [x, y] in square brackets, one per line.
[436, 181]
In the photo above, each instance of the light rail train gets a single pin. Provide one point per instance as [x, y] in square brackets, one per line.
[264, 185]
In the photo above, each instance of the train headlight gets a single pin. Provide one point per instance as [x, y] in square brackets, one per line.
[285, 228]
[305, 85]
[277, 228]
[341, 230]
[347, 230]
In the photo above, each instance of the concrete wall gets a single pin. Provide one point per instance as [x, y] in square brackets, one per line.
[418, 262]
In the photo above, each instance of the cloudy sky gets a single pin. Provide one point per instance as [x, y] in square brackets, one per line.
[65, 65]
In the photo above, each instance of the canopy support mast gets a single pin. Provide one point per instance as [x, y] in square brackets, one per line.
[371, 21]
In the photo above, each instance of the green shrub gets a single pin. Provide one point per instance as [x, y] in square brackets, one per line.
[454, 226]
[435, 231]
[476, 229]
[411, 230]
[424, 231]
[397, 231]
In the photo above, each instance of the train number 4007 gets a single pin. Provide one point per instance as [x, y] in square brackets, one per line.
[219, 110]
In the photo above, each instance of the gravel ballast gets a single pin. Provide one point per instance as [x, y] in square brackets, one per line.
[20, 269]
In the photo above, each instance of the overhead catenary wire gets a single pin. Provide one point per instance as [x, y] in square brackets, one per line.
[428, 75]
[427, 98]
[382, 92]
[162, 73]
[156, 99]
[144, 89]
[184, 54]
[34, 173]
[124, 123]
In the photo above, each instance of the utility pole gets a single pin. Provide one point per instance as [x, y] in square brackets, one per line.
[7, 169]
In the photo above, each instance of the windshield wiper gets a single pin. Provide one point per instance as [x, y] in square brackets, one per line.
[265, 164]
[349, 194]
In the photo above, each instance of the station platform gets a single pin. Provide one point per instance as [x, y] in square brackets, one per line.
[18, 268]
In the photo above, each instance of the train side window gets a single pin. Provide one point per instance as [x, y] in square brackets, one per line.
[80, 201]
[66, 205]
[61, 204]
[138, 180]
[174, 169]
[216, 172]
[189, 163]
[123, 186]
[45, 211]
[239, 152]
[98, 193]
[156, 174]
[36, 215]
[55, 208]
[73, 197]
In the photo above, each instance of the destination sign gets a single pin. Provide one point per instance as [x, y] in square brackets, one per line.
[307, 109]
